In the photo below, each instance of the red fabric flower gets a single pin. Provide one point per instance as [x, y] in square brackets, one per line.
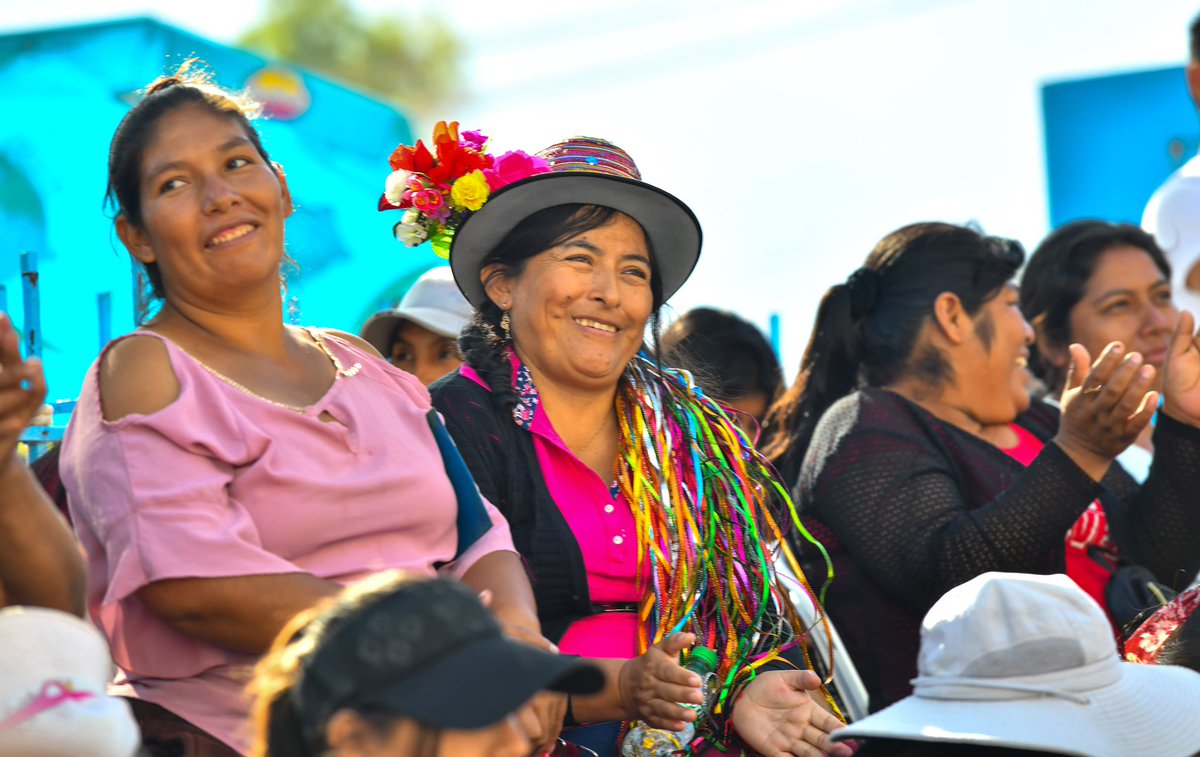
[416, 159]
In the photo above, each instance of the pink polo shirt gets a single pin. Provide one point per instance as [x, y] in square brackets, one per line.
[601, 520]
[222, 483]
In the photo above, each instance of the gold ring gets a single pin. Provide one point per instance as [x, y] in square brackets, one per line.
[1092, 389]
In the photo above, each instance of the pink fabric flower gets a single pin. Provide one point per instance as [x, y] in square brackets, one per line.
[513, 166]
[474, 139]
[427, 201]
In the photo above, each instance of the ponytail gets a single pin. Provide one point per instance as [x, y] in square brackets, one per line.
[867, 329]
[829, 370]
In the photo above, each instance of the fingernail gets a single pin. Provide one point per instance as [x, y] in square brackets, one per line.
[1134, 357]
[1147, 371]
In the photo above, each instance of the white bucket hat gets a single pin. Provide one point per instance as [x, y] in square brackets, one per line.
[433, 302]
[1024, 661]
[54, 671]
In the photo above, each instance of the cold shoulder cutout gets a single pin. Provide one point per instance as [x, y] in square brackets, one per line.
[136, 376]
[221, 482]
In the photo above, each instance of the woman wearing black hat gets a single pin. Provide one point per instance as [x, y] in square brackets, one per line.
[398, 666]
[638, 506]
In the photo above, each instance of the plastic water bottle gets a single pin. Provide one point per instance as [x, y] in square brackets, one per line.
[647, 741]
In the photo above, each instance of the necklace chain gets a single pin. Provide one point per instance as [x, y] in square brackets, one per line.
[341, 371]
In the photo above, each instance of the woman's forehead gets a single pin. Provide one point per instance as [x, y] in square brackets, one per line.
[187, 131]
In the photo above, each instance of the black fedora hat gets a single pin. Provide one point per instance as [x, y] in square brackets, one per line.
[583, 170]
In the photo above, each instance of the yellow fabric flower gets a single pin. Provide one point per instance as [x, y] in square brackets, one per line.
[470, 192]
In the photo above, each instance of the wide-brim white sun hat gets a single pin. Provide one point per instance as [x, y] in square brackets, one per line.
[1025, 661]
[54, 673]
[433, 302]
[588, 171]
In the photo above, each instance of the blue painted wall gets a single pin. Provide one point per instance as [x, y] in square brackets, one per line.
[63, 91]
[1111, 140]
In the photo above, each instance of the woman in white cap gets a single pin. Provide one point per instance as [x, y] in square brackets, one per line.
[639, 507]
[404, 667]
[54, 672]
[420, 335]
[227, 471]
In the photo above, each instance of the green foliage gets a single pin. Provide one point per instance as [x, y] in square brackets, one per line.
[413, 60]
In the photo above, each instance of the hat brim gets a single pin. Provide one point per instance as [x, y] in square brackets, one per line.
[671, 227]
[379, 330]
[483, 682]
[1150, 709]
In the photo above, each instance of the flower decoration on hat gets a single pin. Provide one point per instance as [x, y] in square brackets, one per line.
[439, 189]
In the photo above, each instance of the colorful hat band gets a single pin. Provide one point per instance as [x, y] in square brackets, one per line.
[591, 155]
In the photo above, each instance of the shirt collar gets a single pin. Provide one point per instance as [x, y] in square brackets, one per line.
[527, 394]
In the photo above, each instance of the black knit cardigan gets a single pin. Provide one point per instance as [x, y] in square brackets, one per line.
[909, 506]
[504, 463]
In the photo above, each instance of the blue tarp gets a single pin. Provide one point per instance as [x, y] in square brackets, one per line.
[1111, 140]
[63, 91]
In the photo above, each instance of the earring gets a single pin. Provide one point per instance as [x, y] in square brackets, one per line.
[505, 326]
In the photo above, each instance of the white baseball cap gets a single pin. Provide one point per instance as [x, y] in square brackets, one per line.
[433, 301]
[54, 673]
[1027, 661]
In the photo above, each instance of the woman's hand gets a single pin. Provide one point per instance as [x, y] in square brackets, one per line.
[652, 685]
[778, 716]
[1181, 373]
[1104, 406]
[22, 390]
[542, 718]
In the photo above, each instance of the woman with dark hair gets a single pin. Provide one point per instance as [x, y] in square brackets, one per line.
[922, 463]
[729, 358]
[640, 509]
[378, 671]
[227, 471]
[1094, 283]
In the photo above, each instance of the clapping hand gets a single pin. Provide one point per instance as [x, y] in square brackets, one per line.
[22, 390]
[653, 684]
[1181, 373]
[1105, 405]
[778, 716]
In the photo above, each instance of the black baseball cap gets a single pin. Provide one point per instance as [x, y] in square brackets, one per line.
[429, 650]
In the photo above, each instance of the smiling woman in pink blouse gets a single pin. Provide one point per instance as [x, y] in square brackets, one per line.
[226, 471]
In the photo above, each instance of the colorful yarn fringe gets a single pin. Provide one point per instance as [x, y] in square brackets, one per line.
[706, 506]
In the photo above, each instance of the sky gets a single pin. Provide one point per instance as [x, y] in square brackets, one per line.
[800, 131]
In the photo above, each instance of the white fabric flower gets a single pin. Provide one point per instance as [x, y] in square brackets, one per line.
[411, 230]
[397, 182]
